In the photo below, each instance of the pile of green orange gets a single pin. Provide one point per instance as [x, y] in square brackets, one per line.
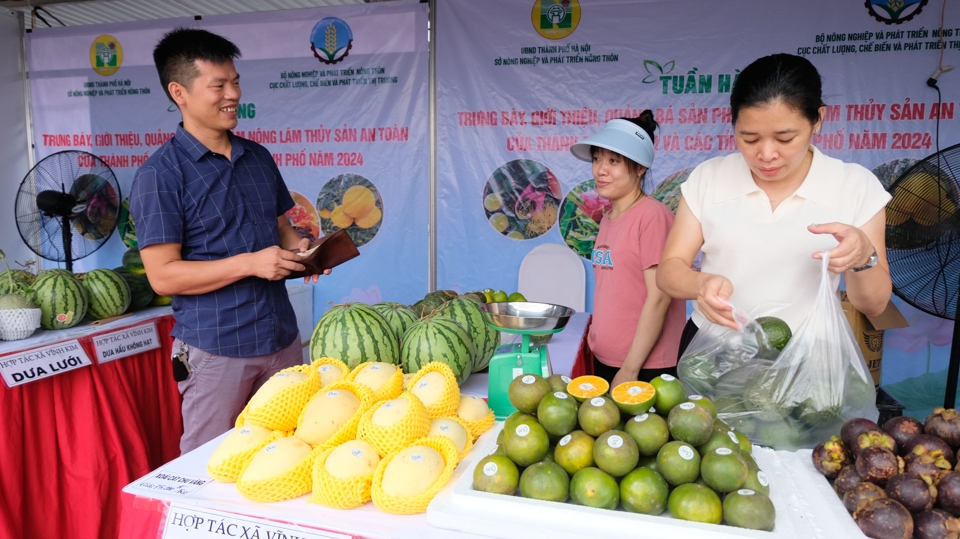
[643, 447]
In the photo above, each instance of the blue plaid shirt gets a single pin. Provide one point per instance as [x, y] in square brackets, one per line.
[217, 208]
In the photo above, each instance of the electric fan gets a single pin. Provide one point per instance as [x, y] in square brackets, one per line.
[67, 206]
[923, 243]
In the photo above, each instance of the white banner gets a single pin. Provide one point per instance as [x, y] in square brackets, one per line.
[338, 95]
[126, 342]
[43, 362]
[520, 81]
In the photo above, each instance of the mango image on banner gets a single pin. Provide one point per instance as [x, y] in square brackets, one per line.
[352, 203]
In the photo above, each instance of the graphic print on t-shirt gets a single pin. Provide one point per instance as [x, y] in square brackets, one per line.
[602, 257]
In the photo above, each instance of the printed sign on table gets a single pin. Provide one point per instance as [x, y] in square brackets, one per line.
[185, 522]
[43, 362]
[126, 342]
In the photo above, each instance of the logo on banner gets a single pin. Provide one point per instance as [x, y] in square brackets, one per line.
[106, 55]
[555, 19]
[331, 40]
[894, 11]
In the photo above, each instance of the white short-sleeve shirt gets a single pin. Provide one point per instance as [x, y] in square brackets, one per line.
[767, 254]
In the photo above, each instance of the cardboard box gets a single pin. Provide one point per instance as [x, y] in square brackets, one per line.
[868, 330]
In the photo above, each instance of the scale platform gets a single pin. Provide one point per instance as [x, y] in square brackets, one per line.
[514, 360]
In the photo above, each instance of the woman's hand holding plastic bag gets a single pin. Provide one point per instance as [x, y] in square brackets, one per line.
[787, 401]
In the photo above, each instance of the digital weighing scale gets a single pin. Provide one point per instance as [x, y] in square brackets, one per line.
[517, 359]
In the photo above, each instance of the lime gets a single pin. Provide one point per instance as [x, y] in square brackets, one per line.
[615, 452]
[545, 481]
[598, 415]
[557, 413]
[644, 491]
[650, 431]
[748, 509]
[499, 296]
[670, 392]
[574, 451]
[516, 296]
[723, 469]
[593, 487]
[695, 502]
[690, 422]
[678, 463]
[497, 474]
[526, 391]
[526, 444]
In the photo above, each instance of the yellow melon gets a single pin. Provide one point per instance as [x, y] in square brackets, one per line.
[325, 414]
[450, 428]
[370, 219]
[352, 459]
[239, 440]
[412, 471]
[407, 378]
[429, 388]
[358, 201]
[331, 370]
[374, 375]
[275, 459]
[340, 218]
[274, 385]
[472, 408]
[390, 412]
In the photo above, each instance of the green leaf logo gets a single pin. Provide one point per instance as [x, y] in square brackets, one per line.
[655, 70]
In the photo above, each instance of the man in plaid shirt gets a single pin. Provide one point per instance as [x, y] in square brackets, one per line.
[209, 212]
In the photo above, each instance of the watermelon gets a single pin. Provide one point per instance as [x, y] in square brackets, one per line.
[432, 302]
[22, 280]
[109, 294]
[354, 333]
[400, 317]
[62, 300]
[141, 293]
[159, 301]
[438, 339]
[466, 312]
[133, 262]
[54, 271]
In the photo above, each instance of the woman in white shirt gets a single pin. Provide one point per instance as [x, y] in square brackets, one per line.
[762, 215]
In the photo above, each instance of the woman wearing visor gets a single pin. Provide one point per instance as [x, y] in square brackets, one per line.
[636, 328]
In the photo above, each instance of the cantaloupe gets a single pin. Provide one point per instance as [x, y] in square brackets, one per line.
[275, 459]
[239, 440]
[429, 388]
[273, 386]
[325, 414]
[412, 471]
[472, 408]
[374, 375]
[355, 458]
[449, 428]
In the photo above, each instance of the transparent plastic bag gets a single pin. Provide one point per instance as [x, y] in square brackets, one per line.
[792, 400]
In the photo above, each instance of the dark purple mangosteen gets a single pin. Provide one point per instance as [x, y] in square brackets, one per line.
[931, 443]
[877, 465]
[902, 428]
[884, 518]
[855, 427]
[936, 524]
[914, 492]
[944, 423]
[830, 456]
[860, 494]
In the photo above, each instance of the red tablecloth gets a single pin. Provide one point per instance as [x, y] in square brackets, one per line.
[71, 442]
[583, 364]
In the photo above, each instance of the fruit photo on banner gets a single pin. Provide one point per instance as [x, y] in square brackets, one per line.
[350, 202]
[100, 216]
[125, 226]
[521, 199]
[303, 217]
[888, 172]
[580, 214]
[668, 191]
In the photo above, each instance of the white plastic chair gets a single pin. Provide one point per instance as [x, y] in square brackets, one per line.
[553, 273]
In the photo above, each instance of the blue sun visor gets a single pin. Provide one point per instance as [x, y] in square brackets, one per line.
[621, 136]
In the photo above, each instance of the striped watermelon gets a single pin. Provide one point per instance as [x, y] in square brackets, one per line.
[141, 293]
[438, 339]
[133, 262]
[109, 294]
[466, 312]
[61, 298]
[400, 317]
[354, 333]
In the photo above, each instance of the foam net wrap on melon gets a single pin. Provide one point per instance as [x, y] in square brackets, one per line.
[284, 407]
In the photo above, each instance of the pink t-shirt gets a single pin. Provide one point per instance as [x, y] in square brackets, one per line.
[623, 250]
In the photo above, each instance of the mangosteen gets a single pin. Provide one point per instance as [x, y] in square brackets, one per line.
[878, 464]
[944, 423]
[926, 464]
[875, 438]
[847, 478]
[931, 443]
[913, 491]
[884, 518]
[860, 494]
[902, 428]
[948, 493]
[855, 427]
[830, 456]
[936, 524]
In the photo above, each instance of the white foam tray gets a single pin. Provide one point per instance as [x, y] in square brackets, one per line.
[806, 507]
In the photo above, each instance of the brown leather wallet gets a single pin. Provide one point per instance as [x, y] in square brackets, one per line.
[325, 253]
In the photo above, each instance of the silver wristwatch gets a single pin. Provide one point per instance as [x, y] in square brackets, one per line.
[871, 262]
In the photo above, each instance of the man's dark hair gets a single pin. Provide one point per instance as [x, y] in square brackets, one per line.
[177, 52]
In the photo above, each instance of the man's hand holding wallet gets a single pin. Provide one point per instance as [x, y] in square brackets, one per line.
[325, 253]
